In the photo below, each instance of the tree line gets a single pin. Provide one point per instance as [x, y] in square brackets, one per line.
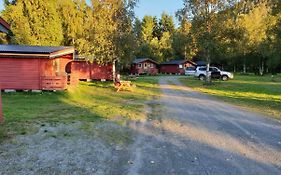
[240, 35]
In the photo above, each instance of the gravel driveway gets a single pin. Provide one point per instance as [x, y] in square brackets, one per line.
[196, 134]
[186, 133]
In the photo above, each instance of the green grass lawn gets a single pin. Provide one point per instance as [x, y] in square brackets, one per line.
[87, 102]
[259, 93]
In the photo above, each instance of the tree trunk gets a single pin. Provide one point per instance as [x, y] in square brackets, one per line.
[113, 71]
[244, 68]
[208, 79]
[234, 68]
[261, 68]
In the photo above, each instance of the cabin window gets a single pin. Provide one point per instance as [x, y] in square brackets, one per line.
[180, 66]
[140, 65]
[151, 65]
[145, 65]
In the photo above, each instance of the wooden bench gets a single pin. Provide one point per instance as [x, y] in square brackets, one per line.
[122, 85]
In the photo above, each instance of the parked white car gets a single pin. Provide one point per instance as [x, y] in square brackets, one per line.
[201, 73]
[190, 71]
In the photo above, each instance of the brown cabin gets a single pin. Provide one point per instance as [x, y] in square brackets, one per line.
[144, 66]
[86, 70]
[176, 66]
[34, 67]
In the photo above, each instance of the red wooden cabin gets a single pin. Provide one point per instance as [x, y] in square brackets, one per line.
[34, 67]
[144, 66]
[85, 70]
[176, 66]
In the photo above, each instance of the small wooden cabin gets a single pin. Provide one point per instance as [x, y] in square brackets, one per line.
[175, 66]
[34, 67]
[86, 70]
[144, 66]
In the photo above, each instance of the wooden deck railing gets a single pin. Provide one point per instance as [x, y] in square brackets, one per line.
[54, 82]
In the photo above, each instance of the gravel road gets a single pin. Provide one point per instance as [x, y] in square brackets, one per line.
[197, 134]
[187, 133]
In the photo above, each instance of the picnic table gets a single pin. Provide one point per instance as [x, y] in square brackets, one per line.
[122, 85]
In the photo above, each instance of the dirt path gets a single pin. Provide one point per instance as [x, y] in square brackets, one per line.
[187, 133]
[196, 134]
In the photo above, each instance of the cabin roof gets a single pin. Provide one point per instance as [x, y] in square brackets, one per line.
[177, 62]
[40, 51]
[200, 63]
[140, 60]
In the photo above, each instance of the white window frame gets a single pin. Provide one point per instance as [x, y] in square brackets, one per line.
[139, 65]
[180, 66]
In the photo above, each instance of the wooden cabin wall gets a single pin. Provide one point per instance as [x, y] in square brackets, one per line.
[86, 70]
[19, 73]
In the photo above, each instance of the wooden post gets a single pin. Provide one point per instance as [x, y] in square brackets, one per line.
[114, 70]
[1, 112]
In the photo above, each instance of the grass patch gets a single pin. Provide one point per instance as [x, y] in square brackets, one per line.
[89, 102]
[260, 93]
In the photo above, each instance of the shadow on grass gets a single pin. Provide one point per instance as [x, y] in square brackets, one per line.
[88, 102]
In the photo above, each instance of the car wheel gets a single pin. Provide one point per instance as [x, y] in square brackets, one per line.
[224, 78]
[201, 77]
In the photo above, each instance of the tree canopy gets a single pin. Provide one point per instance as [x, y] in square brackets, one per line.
[239, 34]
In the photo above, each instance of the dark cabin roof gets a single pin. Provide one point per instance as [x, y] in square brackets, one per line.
[177, 62]
[140, 60]
[200, 63]
[39, 51]
[4, 26]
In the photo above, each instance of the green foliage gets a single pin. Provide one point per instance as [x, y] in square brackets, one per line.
[101, 32]
[155, 37]
[73, 15]
[231, 33]
[34, 22]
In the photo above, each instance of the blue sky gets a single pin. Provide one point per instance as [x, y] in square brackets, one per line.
[156, 7]
[151, 7]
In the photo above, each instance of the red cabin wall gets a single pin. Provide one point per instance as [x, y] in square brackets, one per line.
[54, 67]
[99, 72]
[19, 73]
[80, 69]
[94, 71]
[29, 73]
[142, 70]
[173, 69]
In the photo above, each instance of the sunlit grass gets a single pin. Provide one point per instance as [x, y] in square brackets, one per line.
[88, 102]
[262, 94]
